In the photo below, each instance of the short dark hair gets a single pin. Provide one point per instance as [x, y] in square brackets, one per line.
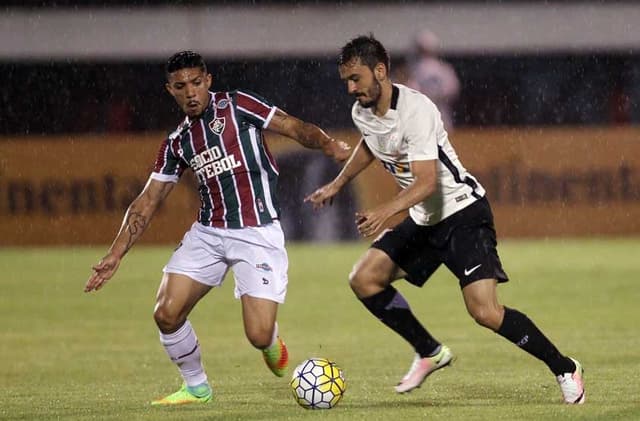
[185, 60]
[368, 49]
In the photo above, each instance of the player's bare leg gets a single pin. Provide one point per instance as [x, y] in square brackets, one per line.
[482, 304]
[261, 328]
[371, 281]
[177, 295]
[481, 300]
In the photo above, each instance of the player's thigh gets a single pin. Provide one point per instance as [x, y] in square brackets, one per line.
[374, 267]
[481, 300]
[177, 295]
[200, 256]
[471, 254]
[410, 252]
[481, 293]
[259, 262]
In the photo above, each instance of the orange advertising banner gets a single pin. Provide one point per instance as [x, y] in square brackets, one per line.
[542, 182]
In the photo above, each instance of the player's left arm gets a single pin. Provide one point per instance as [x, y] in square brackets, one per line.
[308, 135]
[425, 183]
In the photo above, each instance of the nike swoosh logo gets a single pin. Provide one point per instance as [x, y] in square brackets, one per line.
[468, 272]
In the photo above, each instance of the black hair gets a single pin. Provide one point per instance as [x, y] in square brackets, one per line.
[185, 60]
[369, 50]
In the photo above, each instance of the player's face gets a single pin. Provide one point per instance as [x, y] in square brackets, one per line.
[190, 88]
[361, 82]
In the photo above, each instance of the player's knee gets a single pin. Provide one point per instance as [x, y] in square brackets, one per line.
[365, 282]
[487, 316]
[167, 321]
[259, 338]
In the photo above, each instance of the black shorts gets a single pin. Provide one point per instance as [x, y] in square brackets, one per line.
[465, 242]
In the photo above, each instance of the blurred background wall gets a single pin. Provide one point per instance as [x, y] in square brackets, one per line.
[546, 109]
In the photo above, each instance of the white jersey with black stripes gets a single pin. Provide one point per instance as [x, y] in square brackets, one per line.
[412, 130]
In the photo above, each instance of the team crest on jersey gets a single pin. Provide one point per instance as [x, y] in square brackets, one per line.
[222, 104]
[217, 125]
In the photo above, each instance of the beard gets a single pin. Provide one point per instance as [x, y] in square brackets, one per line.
[374, 94]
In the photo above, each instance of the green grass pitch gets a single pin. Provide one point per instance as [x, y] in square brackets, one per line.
[70, 355]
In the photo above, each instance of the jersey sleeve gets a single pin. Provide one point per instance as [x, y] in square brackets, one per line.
[254, 109]
[421, 132]
[168, 166]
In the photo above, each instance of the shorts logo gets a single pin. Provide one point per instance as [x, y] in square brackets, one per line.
[217, 125]
[265, 281]
[264, 266]
[222, 104]
[468, 272]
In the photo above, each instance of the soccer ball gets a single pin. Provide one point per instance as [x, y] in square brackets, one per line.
[318, 383]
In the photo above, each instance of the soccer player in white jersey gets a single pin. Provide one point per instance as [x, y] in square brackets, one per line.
[237, 228]
[450, 221]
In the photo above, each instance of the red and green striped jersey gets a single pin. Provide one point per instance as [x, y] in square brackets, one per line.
[225, 149]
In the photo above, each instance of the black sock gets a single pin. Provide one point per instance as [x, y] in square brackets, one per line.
[393, 310]
[520, 330]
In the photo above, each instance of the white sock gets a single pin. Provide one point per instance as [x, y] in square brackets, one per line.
[274, 338]
[184, 350]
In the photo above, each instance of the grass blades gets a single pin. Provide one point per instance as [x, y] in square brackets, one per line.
[71, 355]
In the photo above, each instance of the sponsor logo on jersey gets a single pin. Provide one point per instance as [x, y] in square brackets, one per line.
[264, 266]
[211, 163]
[217, 125]
[222, 104]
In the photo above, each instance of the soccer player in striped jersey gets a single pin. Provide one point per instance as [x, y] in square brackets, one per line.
[450, 221]
[221, 141]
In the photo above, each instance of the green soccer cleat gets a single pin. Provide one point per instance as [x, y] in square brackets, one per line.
[277, 357]
[186, 395]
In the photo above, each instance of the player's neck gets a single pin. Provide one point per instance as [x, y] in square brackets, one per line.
[384, 102]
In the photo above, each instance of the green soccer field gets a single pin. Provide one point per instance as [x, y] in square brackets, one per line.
[70, 355]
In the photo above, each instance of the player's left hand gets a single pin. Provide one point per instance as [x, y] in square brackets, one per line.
[323, 195]
[370, 222]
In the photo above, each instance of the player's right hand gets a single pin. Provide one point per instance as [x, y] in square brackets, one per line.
[323, 195]
[102, 272]
[340, 150]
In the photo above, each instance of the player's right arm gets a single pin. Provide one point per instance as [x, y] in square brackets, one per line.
[135, 222]
[359, 160]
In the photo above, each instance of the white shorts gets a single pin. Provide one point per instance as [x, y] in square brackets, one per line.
[256, 255]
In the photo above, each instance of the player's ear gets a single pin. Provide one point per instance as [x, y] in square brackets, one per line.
[168, 88]
[209, 80]
[380, 72]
